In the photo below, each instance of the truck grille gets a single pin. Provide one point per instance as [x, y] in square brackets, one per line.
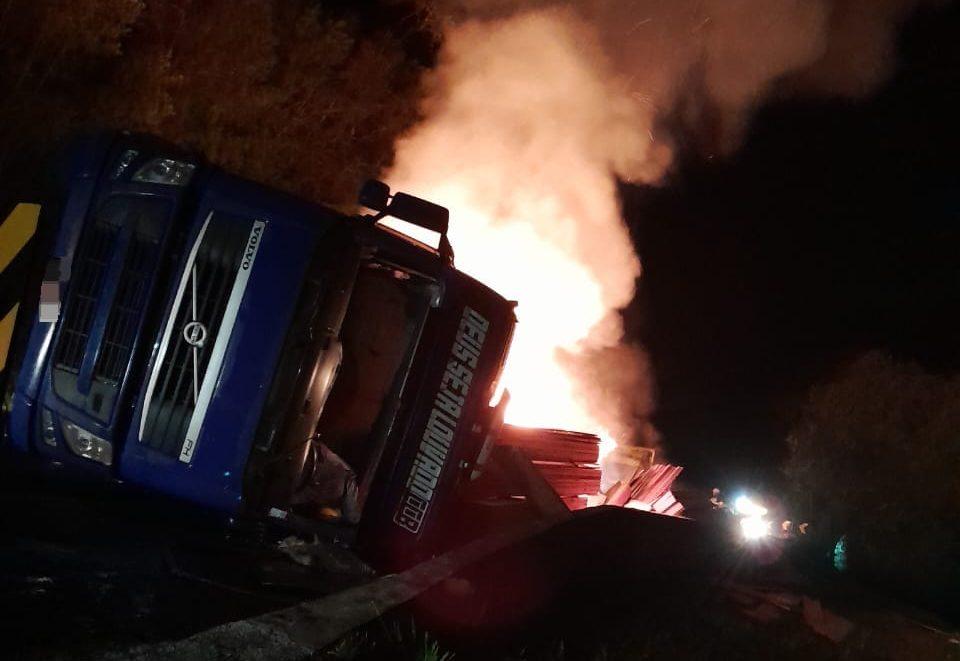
[127, 310]
[134, 225]
[186, 350]
[89, 265]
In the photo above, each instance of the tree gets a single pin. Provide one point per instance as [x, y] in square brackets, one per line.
[286, 92]
[876, 457]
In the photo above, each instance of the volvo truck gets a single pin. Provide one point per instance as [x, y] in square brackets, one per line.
[254, 354]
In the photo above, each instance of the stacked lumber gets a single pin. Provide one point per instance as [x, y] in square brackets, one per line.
[649, 489]
[553, 445]
[650, 485]
[567, 460]
[570, 479]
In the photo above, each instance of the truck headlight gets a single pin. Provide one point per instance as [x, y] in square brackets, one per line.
[165, 171]
[86, 445]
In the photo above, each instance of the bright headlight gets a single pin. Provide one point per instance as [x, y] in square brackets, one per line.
[754, 527]
[86, 445]
[165, 171]
[744, 506]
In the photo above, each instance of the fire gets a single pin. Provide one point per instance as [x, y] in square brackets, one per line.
[559, 302]
[525, 168]
[533, 114]
[535, 111]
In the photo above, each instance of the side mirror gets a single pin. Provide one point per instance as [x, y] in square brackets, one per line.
[376, 195]
[420, 212]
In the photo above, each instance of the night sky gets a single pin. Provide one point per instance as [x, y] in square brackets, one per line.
[835, 229]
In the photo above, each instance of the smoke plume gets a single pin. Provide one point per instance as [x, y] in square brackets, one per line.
[537, 109]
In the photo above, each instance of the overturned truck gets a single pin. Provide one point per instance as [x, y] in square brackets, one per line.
[252, 353]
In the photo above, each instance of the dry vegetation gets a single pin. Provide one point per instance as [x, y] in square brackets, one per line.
[304, 95]
[876, 457]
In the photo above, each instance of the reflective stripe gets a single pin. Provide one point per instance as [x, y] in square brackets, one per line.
[16, 230]
[212, 373]
[6, 334]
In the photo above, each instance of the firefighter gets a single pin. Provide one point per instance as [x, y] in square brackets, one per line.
[716, 501]
[786, 529]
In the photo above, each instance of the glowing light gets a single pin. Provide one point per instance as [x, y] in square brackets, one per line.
[754, 527]
[840, 554]
[744, 506]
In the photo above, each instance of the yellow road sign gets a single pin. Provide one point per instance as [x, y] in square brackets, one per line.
[6, 333]
[16, 230]
[15, 233]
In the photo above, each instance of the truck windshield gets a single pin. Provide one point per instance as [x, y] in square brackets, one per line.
[380, 332]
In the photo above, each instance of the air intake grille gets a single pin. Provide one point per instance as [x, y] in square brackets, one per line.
[89, 266]
[127, 309]
[188, 343]
[128, 228]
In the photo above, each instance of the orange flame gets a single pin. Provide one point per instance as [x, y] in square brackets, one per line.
[560, 303]
[522, 127]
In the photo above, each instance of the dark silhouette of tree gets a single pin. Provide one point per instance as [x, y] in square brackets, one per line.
[876, 457]
[288, 92]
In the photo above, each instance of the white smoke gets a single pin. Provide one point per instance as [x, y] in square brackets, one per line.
[537, 109]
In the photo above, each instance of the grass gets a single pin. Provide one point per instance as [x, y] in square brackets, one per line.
[388, 638]
[681, 625]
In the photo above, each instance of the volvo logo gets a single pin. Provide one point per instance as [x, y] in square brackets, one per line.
[195, 333]
[253, 242]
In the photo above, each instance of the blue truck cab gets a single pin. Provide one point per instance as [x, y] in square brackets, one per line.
[255, 354]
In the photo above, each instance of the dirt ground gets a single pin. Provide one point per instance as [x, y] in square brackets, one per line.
[86, 567]
[97, 571]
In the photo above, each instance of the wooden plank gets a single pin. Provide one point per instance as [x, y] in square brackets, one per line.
[575, 503]
[619, 494]
[651, 484]
[533, 483]
[552, 444]
[571, 479]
